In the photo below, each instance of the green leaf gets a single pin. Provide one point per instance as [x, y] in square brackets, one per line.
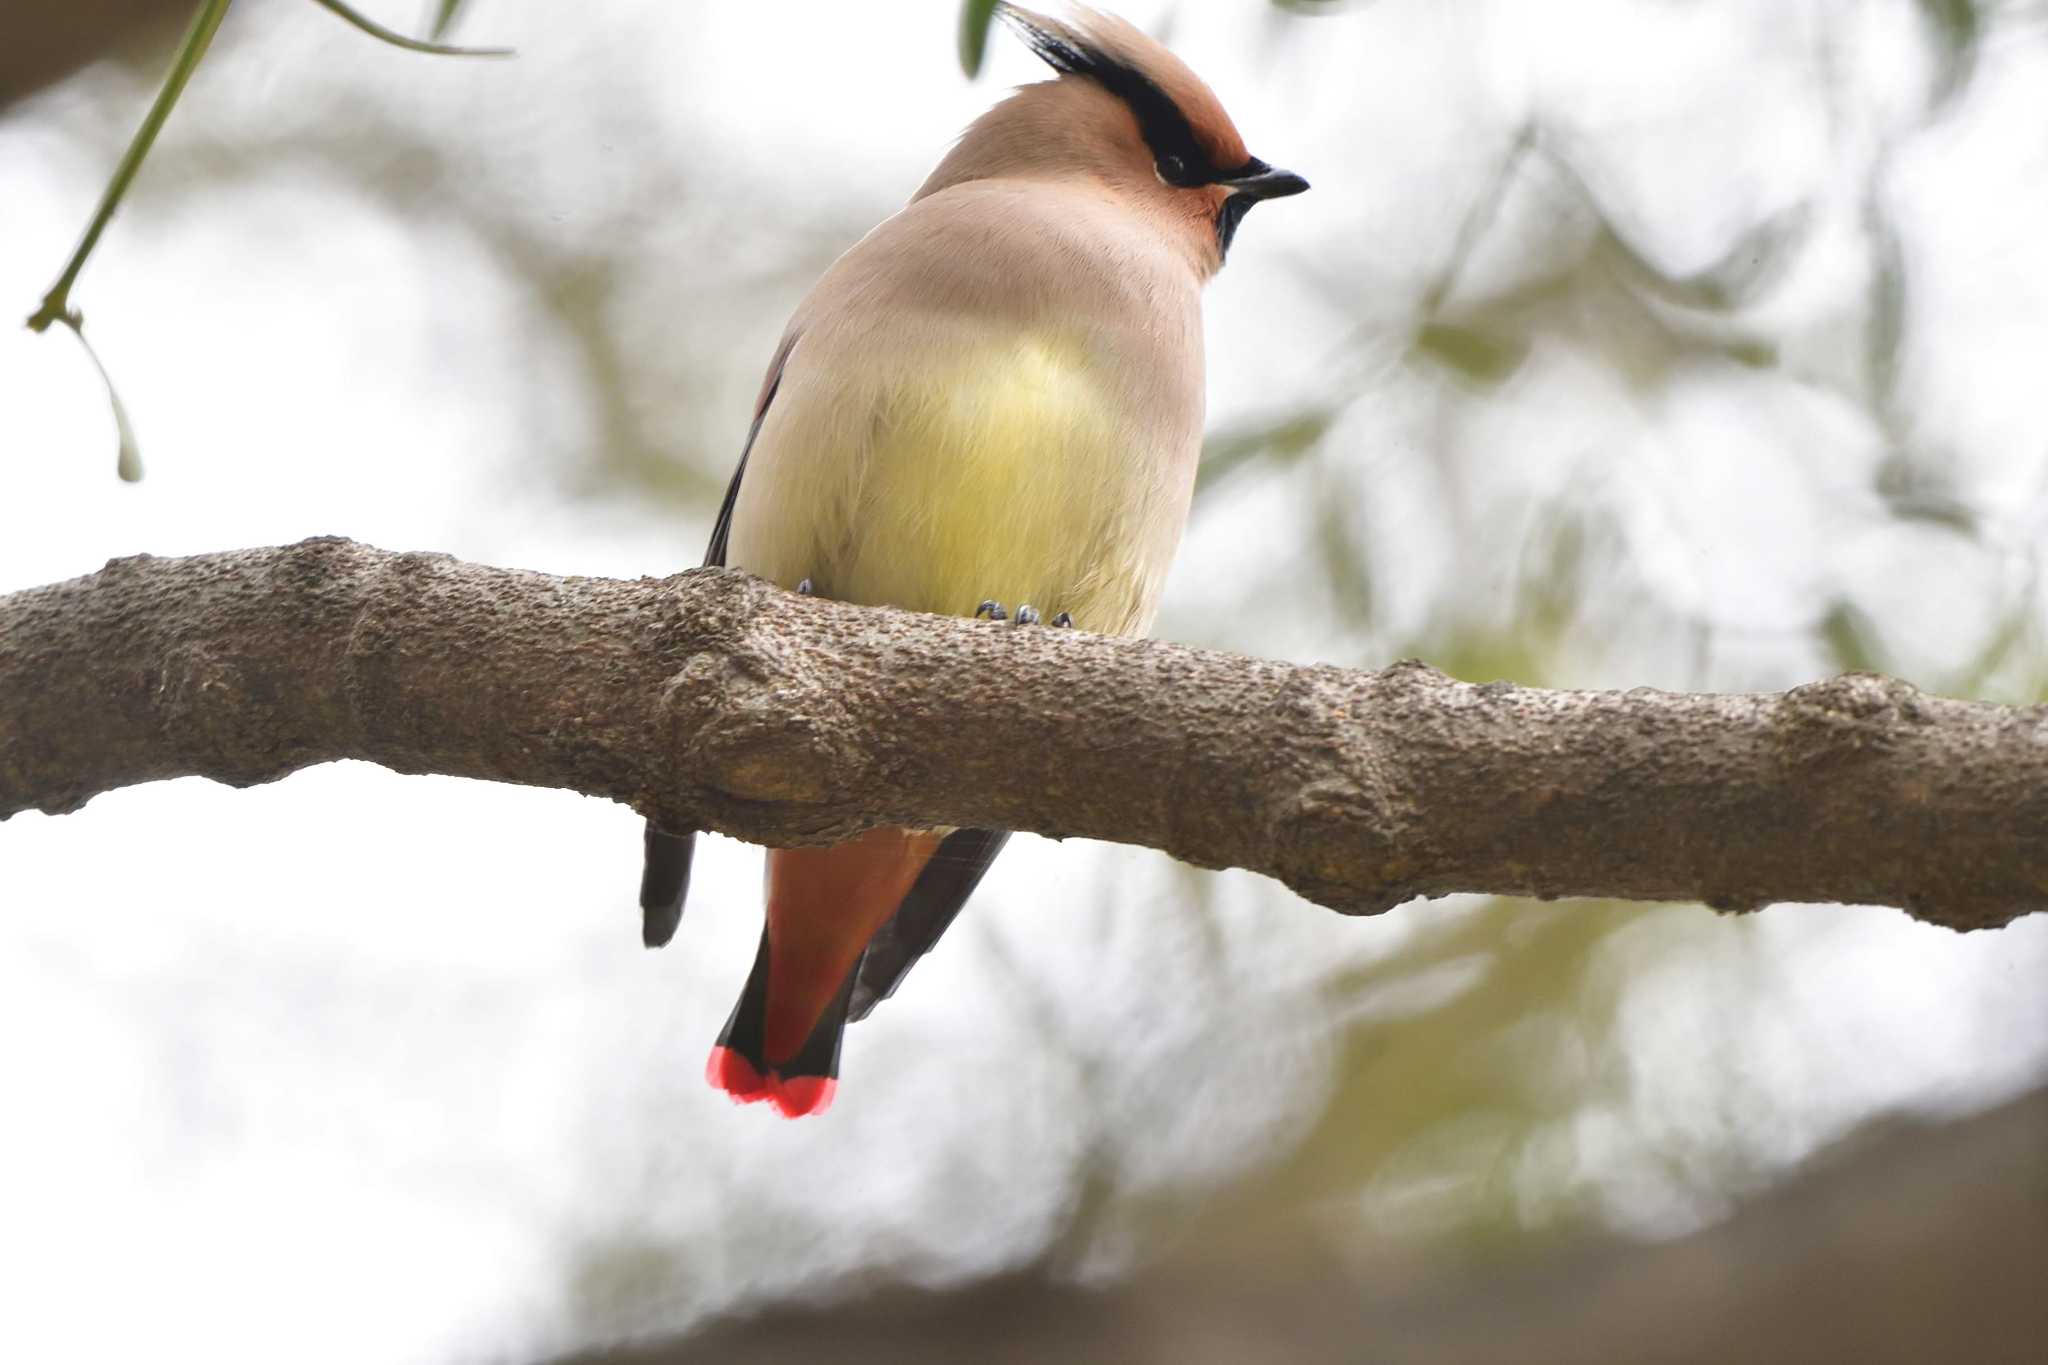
[975, 18]
[397, 39]
[444, 19]
[128, 458]
[1283, 439]
[1851, 639]
[1482, 358]
[1756, 355]
[1959, 28]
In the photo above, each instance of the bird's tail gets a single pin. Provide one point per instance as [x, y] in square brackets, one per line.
[739, 1065]
[824, 906]
[664, 882]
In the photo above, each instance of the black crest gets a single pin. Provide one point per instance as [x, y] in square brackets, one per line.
[1176, 153]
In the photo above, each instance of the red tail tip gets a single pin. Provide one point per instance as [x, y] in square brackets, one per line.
[735, 1075]
[805, 1095]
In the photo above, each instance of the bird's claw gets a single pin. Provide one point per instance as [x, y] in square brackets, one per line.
[1027, 615]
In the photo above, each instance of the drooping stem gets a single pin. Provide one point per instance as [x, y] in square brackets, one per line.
[56, 304]
[365, 24]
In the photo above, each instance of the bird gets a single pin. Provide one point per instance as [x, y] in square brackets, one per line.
[990, 406]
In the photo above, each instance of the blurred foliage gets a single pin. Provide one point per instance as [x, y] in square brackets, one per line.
[1902, 1242]
[1448, 1120]
[975, 18]
[1959, 29]
[1278, 441]
[56, 305]
[446, 12]
[1651, 327]
[363, 23]
[1470, 351]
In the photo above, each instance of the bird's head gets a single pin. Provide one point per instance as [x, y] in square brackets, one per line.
[1129, 115]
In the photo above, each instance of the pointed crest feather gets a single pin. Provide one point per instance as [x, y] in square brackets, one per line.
[1177, 111]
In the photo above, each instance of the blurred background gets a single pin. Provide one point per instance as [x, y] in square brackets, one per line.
[1620, 343]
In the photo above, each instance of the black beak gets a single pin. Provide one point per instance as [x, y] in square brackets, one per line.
[1261, 181]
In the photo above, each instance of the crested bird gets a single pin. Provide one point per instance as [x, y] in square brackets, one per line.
[990, 406]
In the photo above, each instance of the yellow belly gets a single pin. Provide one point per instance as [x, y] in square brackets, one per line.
[1005, 473]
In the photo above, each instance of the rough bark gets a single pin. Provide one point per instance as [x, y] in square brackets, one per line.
[713, 700]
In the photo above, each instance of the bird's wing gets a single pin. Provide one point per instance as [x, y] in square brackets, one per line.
[665, 870]
[943, 887]
[721, 530]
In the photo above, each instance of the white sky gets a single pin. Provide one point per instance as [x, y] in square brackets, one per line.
[352, 1066]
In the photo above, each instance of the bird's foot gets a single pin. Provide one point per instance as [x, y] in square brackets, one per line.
[1027, 615]
[803, 588]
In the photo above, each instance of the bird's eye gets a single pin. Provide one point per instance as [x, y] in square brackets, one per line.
[1173, 170]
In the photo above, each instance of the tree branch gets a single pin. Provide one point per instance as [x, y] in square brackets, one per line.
[713, 700]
